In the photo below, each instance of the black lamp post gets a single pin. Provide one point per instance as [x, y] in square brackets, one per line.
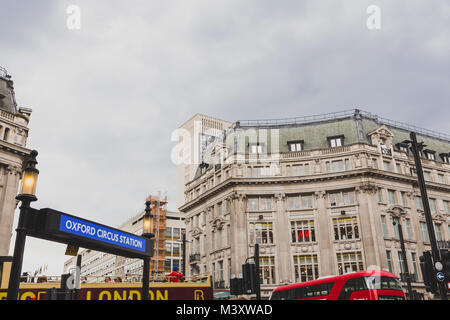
[396, 221]
[147, 233]
[415, 148]
[26, 196]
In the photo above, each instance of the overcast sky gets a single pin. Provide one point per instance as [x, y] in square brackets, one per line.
[107, 97]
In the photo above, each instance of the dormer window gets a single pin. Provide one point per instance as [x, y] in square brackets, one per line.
[295, 145]
[337, 141]
[430, 154]
[445, 157]
[402, 147]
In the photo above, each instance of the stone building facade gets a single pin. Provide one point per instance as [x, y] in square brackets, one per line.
[319, 194]
[13, 138]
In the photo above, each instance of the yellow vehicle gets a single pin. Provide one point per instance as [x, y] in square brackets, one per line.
[187, 290]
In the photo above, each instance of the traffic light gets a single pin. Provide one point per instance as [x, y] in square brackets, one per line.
[445, 255]
[236, 286]
[429, 278]
[249, 274]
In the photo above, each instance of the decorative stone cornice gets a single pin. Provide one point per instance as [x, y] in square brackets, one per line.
[396, 211]
[13, 170]
[367, 187]
[218, 223]
[320, 194]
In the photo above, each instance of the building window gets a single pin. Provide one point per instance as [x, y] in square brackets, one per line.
[414, 263]
[303, 231]
[387, 165]
[401, 261]
[398, 168]
[300, 202]
[379, 195]
[256, 148]
[432, 205]
[342, 198]
[260, 172]
[346, 228]
[259, 204]
[6, 134]
[423, 228]
[336, 141]
[441, 178]
[334, 166]
[298, 170]
[446, 158]
[430, 155]
[350, 262]
[427, 175]
[446, 206]
[408, 229]
[392, 199]
[267, 269]
[419, 204]
[438, 228]
[374, 163]
[295, 145]
[403, 197]
[396, 228]
[306, 267]
[383, 226]
[261, 232]
[389, 261]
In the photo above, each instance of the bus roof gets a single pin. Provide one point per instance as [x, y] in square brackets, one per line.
[329, 279]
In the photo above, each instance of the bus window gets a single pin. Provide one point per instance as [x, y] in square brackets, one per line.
[352, 285]
[383, 283]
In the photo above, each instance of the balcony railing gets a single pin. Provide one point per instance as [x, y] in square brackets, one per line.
[443, 244]
[194, 257]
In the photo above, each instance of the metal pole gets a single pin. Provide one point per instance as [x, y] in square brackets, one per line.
[183, 267]
[77, 278]
[426, 208]
[256, 258]
[405, 260]
[16, 267]
[146, 279]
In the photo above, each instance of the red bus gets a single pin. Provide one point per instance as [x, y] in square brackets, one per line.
[364, 285]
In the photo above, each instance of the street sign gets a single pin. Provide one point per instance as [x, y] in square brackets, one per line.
[440, 276]
[71, 250]
[61, 227]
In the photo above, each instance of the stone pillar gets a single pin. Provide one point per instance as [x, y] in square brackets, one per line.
[323, 235]
[239, 238]
[369, 225]
[283, 247]
[8, 205]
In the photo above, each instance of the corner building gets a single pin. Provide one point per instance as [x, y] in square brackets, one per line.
[13, 139]
[319, 194]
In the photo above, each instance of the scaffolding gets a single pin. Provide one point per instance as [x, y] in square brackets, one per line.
[158, 210]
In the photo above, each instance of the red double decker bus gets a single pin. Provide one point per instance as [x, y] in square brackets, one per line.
[364, 285]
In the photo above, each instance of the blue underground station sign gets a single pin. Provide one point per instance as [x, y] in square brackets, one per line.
[61, 227]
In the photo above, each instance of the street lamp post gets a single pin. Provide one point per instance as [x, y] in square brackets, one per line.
[415, 147]
[147, 233]
[26, 196]
[405, 261]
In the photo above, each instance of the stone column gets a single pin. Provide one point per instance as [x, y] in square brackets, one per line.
[8, 205]
[283, 248]
[239, 238]
[323, 235]
[369, 226]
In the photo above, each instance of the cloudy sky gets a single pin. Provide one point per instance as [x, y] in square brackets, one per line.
[107, 97]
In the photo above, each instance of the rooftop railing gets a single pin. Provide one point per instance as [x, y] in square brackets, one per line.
[340, 115]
